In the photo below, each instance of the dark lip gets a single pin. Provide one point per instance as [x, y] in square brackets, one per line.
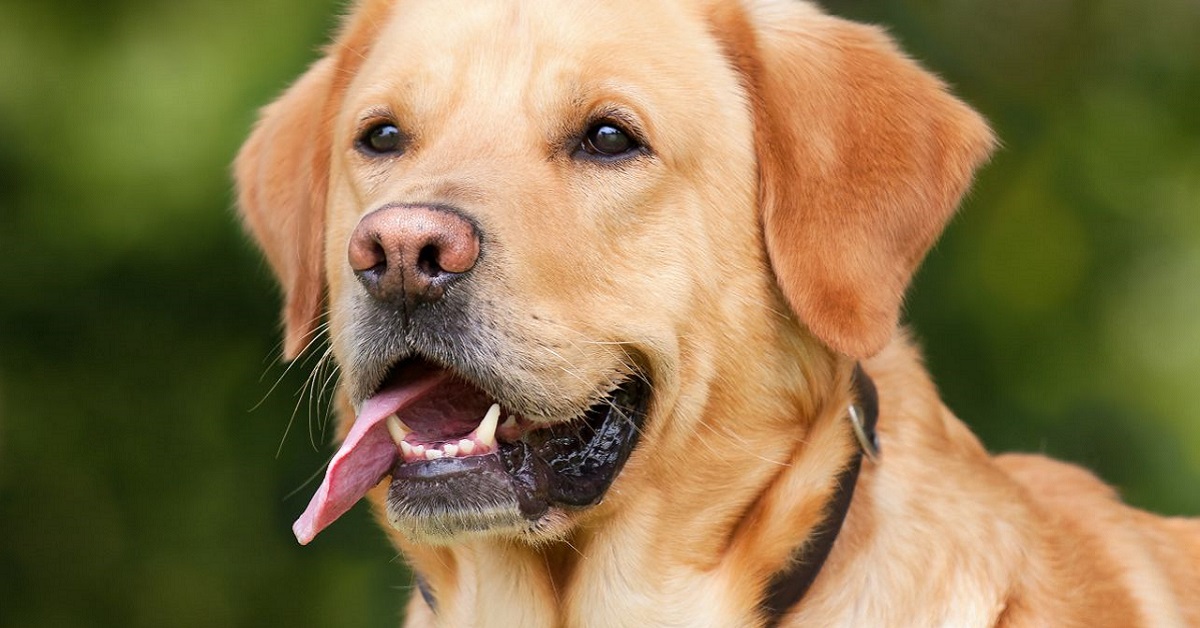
[569, 465]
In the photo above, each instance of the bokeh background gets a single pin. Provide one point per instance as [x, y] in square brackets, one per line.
[148, 475]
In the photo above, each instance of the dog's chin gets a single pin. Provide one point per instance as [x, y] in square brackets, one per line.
[529, 486]
[447, 501]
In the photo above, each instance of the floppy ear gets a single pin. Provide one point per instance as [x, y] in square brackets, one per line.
[282, 172]
[863, 158]
[282, 177]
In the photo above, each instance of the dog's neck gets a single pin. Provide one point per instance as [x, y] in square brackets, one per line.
[646, 555]
[789, 585]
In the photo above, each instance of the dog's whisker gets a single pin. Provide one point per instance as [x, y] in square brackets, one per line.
[571, 545]
[607, 345]
[275, 355]
[624, 347]
[623, 415]
[316, 474]
[326, 396]
[317, 326]
[283, 439]
[314, 394]
[292, 418]
[317, 333]
[738, 443]
[546, 563]
[275, 384]
[582, 337]
[302, 396]
[569, 369]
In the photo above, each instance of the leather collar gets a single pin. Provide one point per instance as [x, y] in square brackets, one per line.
[788, 587]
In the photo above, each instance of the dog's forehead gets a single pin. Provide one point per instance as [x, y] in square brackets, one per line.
[516, 29]
[533, 54]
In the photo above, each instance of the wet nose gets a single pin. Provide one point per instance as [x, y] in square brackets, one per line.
[410, 254]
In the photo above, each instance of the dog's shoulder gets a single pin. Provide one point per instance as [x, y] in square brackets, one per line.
[1035, 524]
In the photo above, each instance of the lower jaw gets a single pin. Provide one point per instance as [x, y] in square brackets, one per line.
[444, 500]
[521, 488]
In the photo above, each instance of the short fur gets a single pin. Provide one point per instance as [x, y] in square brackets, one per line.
[801, 166]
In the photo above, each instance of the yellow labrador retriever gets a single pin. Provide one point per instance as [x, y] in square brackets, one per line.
[614, 287]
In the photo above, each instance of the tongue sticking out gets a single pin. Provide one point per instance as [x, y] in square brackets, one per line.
[432, 403]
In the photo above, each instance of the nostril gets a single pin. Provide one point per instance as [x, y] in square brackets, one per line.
[379, 255]
[427, 260]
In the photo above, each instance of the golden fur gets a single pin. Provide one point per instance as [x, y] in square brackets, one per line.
[802, 166]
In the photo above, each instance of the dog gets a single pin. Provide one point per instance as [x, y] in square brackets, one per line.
[614, 291]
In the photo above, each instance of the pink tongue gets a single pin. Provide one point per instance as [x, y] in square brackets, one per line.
[366, 456]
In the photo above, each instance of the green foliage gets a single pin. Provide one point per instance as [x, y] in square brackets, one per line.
[142, 483]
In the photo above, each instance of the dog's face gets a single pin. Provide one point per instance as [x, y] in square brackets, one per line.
[553, 238]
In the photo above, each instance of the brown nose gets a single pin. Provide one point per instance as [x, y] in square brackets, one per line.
[409, 254]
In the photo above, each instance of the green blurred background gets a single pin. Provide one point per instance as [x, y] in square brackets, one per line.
[142, 483]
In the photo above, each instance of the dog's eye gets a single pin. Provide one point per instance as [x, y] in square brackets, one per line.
[382, 139]
[605, 139]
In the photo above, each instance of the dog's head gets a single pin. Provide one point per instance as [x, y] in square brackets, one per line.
[550, 235]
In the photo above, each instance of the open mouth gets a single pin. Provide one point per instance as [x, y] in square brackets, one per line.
[460, 462]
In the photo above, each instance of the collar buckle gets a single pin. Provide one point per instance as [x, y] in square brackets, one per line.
[868, 443]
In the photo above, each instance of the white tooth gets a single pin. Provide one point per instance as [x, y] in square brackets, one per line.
[466, 447]
[450, 449]
[406, 449]
[433, 454]
[509, 422]
[418, 451]
[397, 429]
[486, 432]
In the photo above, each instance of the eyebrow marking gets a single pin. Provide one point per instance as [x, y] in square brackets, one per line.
[376, 113]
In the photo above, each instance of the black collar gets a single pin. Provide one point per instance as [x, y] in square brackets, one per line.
[789, 586]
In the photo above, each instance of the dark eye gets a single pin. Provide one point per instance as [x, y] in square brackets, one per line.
[382, 139]
[605, 139]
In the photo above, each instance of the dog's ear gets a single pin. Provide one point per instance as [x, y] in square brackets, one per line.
[282, 172]
[863, 158]
[282, 177]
